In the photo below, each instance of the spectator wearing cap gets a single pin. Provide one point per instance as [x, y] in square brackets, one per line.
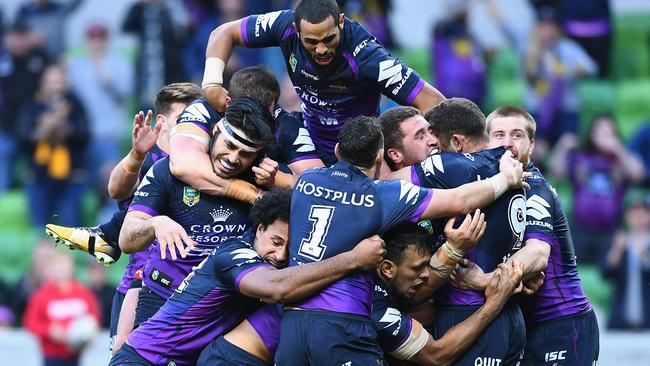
[628, 265]
[48, 19]
[22, 61]
[103, 80]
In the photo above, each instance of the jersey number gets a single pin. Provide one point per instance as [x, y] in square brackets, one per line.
[313, 247]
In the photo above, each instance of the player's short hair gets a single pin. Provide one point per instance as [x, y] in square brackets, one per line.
[457, 116]
[175, 93]
[513, 111]
[359, 141]
[250, 116]
[402, 236]
[316, 11]
[255, 82]
[390, 122]
[273, 205]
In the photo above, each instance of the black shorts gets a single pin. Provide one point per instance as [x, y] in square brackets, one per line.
[502, 343]
[325, 338]
[220, 352]
[116, 307]
[148, 304]
[127, 356]
[569, 340]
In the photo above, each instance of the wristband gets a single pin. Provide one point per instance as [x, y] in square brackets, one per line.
[131, 164]
[499, 184]
[444, 260]
[213, 72]
[283, 180]
[242, 191]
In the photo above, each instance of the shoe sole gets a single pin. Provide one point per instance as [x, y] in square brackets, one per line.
[101, 257]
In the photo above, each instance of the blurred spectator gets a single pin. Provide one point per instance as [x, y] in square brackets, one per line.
[457, 58]
[103, 80]
[22, 62]
[54, 131]
[194, 59]
[159, 57]
[589, 23]
[552, 65]
[628, 264]
[640, 145]
[33, 279]
[48, 19]
[373, 15]
[600, 172]
[61, 313]
[104, 292]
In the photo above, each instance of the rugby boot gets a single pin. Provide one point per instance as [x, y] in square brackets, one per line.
[88, 239]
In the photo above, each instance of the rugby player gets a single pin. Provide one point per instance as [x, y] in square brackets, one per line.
[225, 287]
[337, 206]
[561, 326]
[337, 68]
[147, 146]
[182, 219]
[405, 268]
[459, 127]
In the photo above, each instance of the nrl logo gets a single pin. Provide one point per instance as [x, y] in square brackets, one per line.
[293, 62]
[190, 196]
[221, 214]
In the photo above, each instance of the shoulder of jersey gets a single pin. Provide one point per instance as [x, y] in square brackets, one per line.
[359, 42]
[199, 111]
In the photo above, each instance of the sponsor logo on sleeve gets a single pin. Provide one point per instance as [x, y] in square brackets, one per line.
[304, 141]
[390, 71]
[195, 112]
[265, 21]
[537, 207]
[410, 191]
[391, 317]
[433, 161]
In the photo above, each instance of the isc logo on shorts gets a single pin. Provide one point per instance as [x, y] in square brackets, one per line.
[554, 356]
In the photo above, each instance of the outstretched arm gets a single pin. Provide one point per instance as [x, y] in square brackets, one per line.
[290, 284]
[220, 44]
[427, 98]
[140, 229]
[463, 199]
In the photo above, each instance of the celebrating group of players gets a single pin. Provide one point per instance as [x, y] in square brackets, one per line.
[232, 206]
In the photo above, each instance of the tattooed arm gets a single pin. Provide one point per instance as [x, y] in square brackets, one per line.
[140, 229]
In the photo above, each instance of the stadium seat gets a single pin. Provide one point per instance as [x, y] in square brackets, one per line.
[632, 105]
[630, 51]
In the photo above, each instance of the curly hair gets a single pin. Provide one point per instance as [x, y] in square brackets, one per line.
[273, 205]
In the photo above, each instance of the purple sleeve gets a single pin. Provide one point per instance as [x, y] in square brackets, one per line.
[248, 269]
[423, 206]
[540, 236]
[266, 30]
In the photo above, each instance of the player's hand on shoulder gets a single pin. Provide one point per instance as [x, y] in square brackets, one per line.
[514, 171]
[469, 233]
[469, 276]
[143, 137]
[171, 236]
[265, 172]
[217, 97]
[505, 281]
[369, 252]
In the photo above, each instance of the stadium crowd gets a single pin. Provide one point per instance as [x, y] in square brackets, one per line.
[235, 183]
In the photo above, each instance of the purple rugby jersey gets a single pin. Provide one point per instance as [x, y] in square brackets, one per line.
[206, 305]
[506, 216]
[350, 86]
[562, 293]
[208, 220]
